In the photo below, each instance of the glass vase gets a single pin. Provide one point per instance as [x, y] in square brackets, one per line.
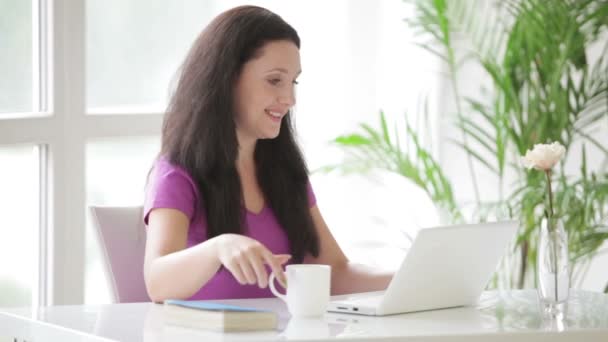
[553, 267]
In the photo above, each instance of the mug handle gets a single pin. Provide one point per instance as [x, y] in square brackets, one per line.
[273, 289]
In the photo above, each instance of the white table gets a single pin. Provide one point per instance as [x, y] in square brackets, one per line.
[512, 316]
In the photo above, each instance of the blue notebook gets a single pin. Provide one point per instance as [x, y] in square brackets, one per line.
[204, 305]
[218, 317]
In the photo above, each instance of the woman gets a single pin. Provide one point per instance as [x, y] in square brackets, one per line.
[229, 200]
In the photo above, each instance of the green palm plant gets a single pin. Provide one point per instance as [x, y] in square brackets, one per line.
[544, 88]
[378, 148]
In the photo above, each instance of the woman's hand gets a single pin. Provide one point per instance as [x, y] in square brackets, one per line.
[245, 257]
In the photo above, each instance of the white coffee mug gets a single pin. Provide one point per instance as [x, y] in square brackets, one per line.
[307, 289]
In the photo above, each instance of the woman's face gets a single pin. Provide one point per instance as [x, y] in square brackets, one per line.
[265, 90]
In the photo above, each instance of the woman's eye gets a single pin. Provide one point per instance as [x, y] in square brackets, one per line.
[276, 81]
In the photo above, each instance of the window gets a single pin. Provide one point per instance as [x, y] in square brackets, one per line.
[19, 225]
[16, 63]
[44, 111]
[133, 50]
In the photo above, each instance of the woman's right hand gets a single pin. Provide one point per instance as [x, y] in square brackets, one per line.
[245, 257]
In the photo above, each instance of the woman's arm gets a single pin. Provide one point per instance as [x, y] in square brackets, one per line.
[170, 269]
[346, 277]
[173, 271]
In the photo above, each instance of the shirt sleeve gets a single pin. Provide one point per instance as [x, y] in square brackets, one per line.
[312, 199]
[170, 187]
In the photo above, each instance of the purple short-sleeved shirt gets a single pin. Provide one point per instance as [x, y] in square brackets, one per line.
[170, 186]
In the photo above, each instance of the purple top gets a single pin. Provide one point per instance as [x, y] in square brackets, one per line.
[170, 186]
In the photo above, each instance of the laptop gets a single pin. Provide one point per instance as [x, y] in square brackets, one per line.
[445, 267]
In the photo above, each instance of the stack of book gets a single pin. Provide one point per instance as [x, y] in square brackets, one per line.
[217, 317]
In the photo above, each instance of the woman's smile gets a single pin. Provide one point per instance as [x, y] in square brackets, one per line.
[274, 116]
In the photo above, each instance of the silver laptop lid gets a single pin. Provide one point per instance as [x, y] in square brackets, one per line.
[447, 267]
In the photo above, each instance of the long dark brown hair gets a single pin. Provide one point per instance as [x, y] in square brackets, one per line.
[199, 131]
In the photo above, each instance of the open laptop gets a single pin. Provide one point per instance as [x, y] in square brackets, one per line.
[445, 267]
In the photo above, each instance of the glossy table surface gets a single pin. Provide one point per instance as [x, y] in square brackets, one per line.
[508, 316]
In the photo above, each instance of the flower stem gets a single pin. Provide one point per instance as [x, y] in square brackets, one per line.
[548, 173]
[552, 235]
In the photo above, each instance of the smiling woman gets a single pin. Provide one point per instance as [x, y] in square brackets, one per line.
[117, 73]
[229, 199]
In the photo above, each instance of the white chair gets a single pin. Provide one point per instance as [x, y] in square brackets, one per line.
[122, 238]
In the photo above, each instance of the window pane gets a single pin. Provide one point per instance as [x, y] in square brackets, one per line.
[18, 224]
[16, 57]
[116, 173]
[134, 48]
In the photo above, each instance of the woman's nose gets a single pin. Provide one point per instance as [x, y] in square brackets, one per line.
[288, 97]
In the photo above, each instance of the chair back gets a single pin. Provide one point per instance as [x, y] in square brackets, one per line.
[122, 237]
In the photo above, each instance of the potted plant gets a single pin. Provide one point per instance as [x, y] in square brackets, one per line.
[544, 88]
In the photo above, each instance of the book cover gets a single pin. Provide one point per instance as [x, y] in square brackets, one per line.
[218, 317]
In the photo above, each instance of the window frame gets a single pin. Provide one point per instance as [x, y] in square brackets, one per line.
[60, 129]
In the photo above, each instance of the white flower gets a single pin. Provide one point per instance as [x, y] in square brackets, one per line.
[543, 156]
